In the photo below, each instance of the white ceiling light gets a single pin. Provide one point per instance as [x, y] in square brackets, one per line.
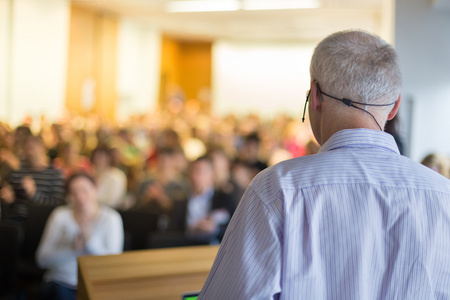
[203, 5]
[232, 5]
[279, 4]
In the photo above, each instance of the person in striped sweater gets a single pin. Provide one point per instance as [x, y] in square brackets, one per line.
[35, 183]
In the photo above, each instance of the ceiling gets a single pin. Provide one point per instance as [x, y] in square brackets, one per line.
[306, 25]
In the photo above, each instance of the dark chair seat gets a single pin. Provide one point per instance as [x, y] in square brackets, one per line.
[30, 274]
[137, 226]
[170, 239]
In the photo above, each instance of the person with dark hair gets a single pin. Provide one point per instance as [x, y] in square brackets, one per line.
[249, 152]
[223, 179]
[35, 183]
[111, 181]
[164, 185]
[357, 220]
[21, 134]
[82, 227]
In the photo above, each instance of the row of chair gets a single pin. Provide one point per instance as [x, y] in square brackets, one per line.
[18, 245]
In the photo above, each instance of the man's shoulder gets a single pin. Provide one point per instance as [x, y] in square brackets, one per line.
[349, 167]
[426, 178]
[289, 174]
[291, 171]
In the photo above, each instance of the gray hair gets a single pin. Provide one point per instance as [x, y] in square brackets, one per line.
[358, 66]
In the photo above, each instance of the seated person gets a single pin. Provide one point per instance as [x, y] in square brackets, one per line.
[223, 180]
[111, 181]
[163, 186]
[71, 161]
[249, 152]
[438, 163]
[35, 183]
[207, 211]
[80, 228]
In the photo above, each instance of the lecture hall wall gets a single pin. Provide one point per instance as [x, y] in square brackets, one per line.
[33, 58]
[39, 47]
[423, 44]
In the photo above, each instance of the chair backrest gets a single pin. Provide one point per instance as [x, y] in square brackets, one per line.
[33, 229]
[171, 239]
[9, 249]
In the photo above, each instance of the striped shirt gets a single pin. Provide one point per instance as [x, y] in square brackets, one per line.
[49, 190]
[355, 221]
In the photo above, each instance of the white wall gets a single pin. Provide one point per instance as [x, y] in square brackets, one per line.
[138, 68]
[263, 78]
[423, 44]
[39, 40]
[4, 57]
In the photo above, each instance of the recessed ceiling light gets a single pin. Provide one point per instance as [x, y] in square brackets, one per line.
[279, 4]
[232, 5]
[203, 5]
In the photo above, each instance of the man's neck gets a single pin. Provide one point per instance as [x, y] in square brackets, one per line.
[353, 121]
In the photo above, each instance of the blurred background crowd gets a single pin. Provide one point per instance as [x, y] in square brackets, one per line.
[146, 163]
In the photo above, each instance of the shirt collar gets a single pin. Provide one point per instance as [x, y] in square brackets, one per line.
[360, 138]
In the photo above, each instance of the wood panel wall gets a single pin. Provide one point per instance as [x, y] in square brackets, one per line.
[92, 56]
[185, 66]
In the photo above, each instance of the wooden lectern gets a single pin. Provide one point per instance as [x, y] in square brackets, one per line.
[147, 274]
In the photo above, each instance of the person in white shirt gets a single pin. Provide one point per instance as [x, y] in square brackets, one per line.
[82, 227]
[111, 181]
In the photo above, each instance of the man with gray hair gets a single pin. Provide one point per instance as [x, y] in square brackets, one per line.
[355, 221]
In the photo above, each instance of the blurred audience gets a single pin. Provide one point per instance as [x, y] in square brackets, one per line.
[8, 160]
[164, 185]
[20, 136]
[111, 181]
[223, 180]
[438, 163]
[35, 183]
[70, 160]
[143, 163]
[207, 210]
[249, 152]
[82, 227]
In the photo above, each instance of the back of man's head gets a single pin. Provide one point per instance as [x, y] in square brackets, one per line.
[358, 66]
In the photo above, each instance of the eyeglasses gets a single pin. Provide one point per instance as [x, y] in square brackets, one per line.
[347, 102]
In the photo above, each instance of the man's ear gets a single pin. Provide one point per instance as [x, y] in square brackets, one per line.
[315, 103]
[395, 108]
